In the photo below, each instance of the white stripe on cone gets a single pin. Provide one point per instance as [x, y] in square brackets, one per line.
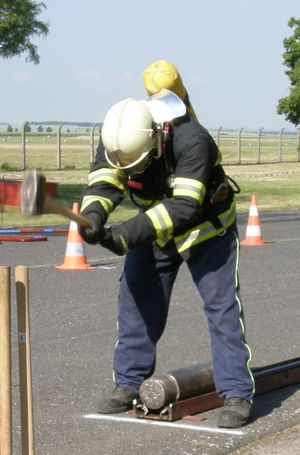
[253, 231]
[253, 210]
[74, 249]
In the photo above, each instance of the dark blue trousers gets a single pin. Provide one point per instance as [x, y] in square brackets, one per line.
[145, 291]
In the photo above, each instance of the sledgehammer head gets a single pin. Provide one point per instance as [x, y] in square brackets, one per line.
[33, 193]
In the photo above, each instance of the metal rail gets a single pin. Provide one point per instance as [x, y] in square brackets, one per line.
[268, 378]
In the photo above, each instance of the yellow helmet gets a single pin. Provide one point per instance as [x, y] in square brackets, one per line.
[163, 74]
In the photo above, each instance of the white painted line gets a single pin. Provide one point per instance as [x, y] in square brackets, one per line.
[163, 423]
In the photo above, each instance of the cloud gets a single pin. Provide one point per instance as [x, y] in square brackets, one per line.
[88, 74]
[126, 76]
[15, 78]
[21, 77]
[104, 82]
[196, 81]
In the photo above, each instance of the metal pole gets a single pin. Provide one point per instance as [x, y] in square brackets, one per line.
[92, 144]
[298, 144]
[2, 196]
[58, 148]
[239, 146]
[23, 151]
[218, 136]
[22, 296]
[258, 145]
[5, 364]
[280, 144]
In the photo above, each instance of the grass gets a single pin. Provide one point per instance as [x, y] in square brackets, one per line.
[275, 181]
[75, 151]
[42, 152]
[276, 186]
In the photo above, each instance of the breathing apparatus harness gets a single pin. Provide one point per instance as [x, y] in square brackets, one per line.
[220, 188]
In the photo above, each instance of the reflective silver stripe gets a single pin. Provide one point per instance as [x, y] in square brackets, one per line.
[104, 202]
[161, 221]
[189, 187]
[205, 231]
[113, 176]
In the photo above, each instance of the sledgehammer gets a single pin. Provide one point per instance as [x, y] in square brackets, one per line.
[35, 201]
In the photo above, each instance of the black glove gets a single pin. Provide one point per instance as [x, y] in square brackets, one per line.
[93, 234]
[113, 241]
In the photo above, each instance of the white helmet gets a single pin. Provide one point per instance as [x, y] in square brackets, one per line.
[128, 135]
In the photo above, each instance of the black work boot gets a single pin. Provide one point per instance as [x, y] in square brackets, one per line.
[120, 401]
[236, 413]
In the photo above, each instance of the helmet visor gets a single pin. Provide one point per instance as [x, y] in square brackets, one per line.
[129, 164]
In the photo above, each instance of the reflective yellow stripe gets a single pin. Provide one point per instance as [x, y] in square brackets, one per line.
[106, 204]
[189, 187]
[161, 221]
[113, 176]
[205, 231]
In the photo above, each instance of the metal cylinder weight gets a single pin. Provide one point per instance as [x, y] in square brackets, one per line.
[160, 390]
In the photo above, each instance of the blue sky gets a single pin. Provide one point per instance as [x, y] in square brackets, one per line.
[229, 54]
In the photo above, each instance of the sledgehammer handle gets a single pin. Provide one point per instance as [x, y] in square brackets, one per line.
[51, 206]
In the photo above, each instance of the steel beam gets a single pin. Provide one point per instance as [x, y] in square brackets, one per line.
[267, 378]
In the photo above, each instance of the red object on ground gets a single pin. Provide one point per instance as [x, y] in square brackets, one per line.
[23, 238]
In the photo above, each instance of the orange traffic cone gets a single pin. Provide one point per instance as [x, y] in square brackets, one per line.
[253, 231]
[75, 258]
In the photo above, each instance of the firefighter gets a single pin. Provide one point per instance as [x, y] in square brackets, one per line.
[159, 153]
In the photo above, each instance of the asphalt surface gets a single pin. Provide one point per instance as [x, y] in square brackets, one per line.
[73, 333]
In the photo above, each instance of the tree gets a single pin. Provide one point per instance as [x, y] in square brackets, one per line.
[290, 105]
[18, 24]
[40, 129]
